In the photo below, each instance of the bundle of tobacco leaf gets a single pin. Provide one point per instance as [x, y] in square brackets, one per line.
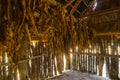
[20, 20]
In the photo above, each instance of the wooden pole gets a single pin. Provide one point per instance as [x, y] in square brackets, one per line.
[75, 6]
[102, 12]
[107, 33]
[85, 63]
[80, 62]
[101, 55]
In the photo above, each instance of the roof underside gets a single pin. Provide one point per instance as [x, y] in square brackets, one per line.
[77, 7]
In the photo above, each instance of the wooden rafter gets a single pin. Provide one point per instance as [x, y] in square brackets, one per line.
[116, 34]
[102, 12]
[76, 5]
[101, 55]
[108, 33]
[68, 4]
[72, 7]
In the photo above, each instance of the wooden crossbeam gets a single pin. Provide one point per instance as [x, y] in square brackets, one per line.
[72, 7]
[68, 4]
[76, 5]
[102, 12]
[107, 34]
[100, 55]
[53, 77]
[21, 61]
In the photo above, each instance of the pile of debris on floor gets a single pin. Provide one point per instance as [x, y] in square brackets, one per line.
[76, 75]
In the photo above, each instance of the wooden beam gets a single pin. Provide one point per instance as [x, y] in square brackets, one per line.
[53, 77]
[68, 4]
[102, 12]
[107, 34]
[100, 55]
[21, 61]
[31, 58]
[75, 6]
[72, 7]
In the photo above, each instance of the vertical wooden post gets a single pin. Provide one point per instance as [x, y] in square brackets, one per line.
[50, 66]
[85, 63]
[59, 58]
[80, 62]
[55, 68]
[67, 55]
[100, 65]
[74, 59]
[37, 61]
[4, 68]
[114, 68]
[95, 65]
[89, 61]
[92, 64]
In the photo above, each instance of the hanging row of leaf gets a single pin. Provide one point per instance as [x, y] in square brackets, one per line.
[20, 20]
[16, 25]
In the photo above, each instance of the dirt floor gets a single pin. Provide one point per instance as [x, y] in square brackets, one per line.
[76, 75]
